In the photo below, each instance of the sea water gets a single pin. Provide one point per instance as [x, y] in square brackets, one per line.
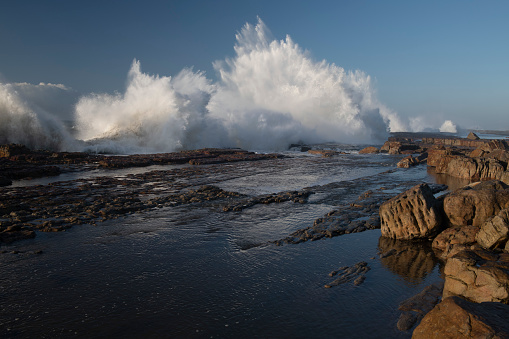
[194, 271]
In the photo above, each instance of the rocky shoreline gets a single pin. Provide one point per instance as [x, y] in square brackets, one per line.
[468, 228]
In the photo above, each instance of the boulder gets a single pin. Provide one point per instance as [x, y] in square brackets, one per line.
[477, 153]
[475, 168]
[454, 240]
[478, 275]
[408, 162]
[369, 150]
[495, 231]
[475, 203]
[439, 158]
[413, 309]
[472, 136]
[457, 318]
[397, 147]
[414, 214]
[505, 177]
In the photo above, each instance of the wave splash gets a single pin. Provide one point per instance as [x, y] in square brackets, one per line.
[25, 123]
[269, 95]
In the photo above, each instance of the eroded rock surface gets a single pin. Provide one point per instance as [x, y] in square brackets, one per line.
[478, 275]
[495, 231]
[474, 204]
[415, 308]
[453, 240]
[345, 274]
[457, 318]
[414, 214]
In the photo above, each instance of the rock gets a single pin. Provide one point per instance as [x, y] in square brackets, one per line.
[408, 162]
[454, 240]
[478, 275]
[414, 214]
[505, 177]
[397, 147]
[475, 168]
[472, 136]
[477, 153]
[369, 150]
[412, 261]
[9, 150]
[474, 204]
[495, 231]
[323, 153]
[346, 274]
[415, 308]
[458, 318]
[440, 158]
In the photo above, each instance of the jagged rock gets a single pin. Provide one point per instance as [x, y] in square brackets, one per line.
[477, 153]
[9, 150]
[454, 240]
[415, 308]
[439, 158]
[397, 147]
[478, 275]
[408, 162]
[505, 177]
[346, 274]
[458, 318]
[472, 136]
[474, 204]
[495, 231]
[414, 214]
[475, 168]
[369, 150]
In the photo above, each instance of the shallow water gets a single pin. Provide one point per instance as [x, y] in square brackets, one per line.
[194, 271]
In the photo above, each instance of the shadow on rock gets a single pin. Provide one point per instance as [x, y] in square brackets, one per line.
[412, 261]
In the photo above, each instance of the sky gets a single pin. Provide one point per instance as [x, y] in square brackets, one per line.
[428, 59]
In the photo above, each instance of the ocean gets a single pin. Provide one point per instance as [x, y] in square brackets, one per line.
[194, 271]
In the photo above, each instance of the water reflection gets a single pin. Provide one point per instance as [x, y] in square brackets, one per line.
[445, 179]
[412, 261]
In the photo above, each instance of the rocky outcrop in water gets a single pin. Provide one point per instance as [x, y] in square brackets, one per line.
[357, 273]
[453, 240]
[457, 318]
[295, 196]
[369, 150]
[414, 214]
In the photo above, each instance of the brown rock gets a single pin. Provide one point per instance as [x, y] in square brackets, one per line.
[472, 136]
[454, 240]
[369, 150]
[440, 158]
[408, 162]
[478, 275]
[414, 308]
[475, 168]
[477, 153]
[495, 231]
[474, 204]
[413, 214]
[458, 318]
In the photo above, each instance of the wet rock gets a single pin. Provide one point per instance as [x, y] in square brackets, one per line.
[453, 240]
[323, 153]
[398, 147]
[411, 260]
[440, 157]
[408, 162]
[478, 275]
[295, 196]
[457, 318]
[414, 214]
[474, 204]
[369, 150]
[345, 274]
[415, 308]
[9, 150]
[495, 231]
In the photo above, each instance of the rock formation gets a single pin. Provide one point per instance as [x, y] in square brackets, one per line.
[458, 318]
[414, 214]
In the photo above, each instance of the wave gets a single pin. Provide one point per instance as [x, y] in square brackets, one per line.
[269, 95]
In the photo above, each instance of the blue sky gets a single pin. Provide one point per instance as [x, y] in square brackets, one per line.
[448, 59]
